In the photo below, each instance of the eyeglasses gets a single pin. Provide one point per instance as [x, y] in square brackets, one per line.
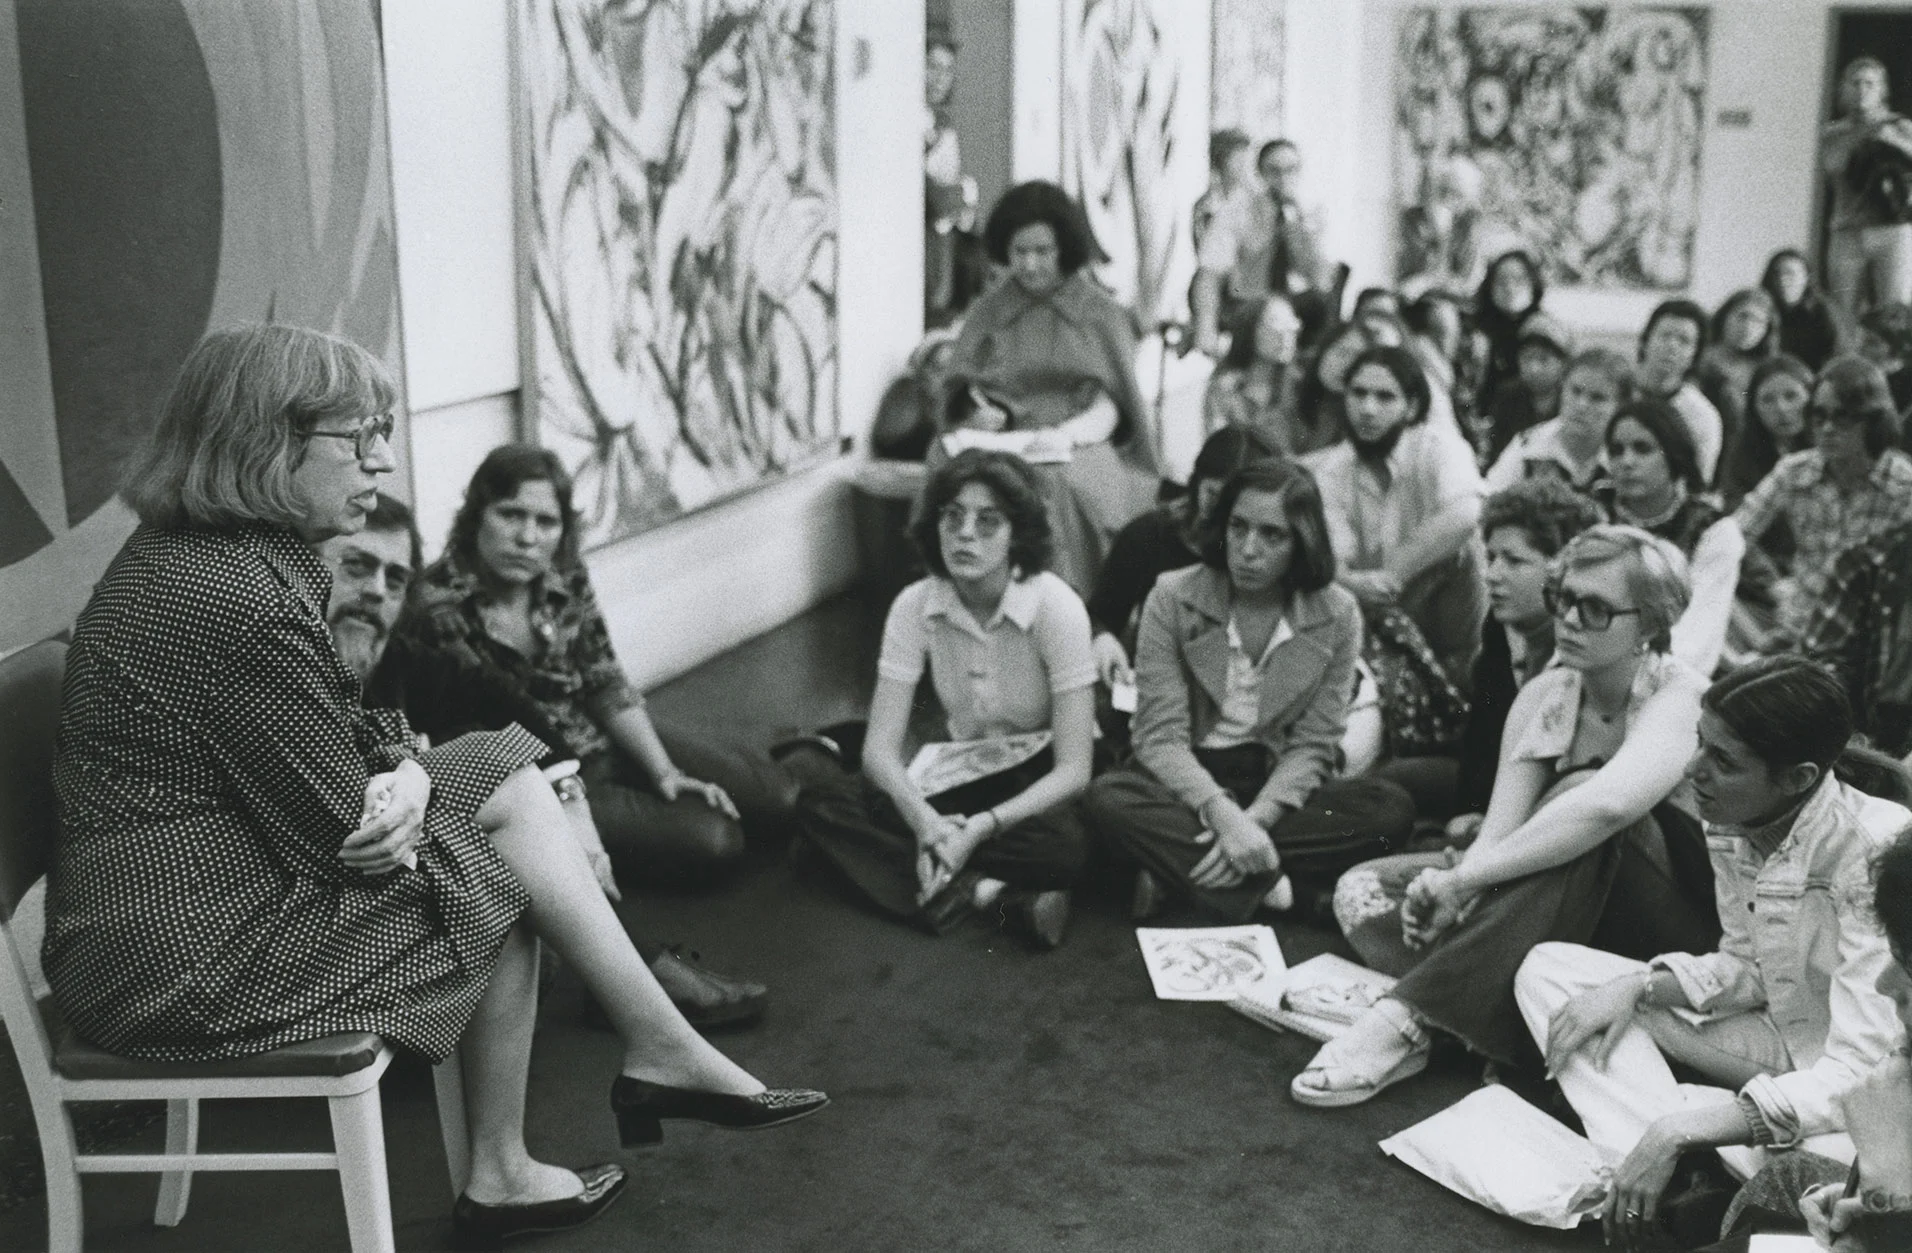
[1585, 612]
[372, 429]
[988, 522]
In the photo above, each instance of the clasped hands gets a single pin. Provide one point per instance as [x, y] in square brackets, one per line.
[944, 845]
[1436, 900]
[391, 820]
[1240, 843]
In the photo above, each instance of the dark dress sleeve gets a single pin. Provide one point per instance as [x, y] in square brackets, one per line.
[1143, 551]
[445, 696]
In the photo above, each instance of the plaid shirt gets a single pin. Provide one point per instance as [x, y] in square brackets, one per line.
[1825, 520]
[1862, 630]
[574, 676]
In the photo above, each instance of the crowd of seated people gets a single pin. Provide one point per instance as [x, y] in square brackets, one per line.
[1530, 670]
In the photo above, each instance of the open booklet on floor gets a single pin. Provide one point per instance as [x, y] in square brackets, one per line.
[1319, 998]
[1210, 963]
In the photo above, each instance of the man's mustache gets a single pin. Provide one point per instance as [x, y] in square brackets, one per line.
[366, 616]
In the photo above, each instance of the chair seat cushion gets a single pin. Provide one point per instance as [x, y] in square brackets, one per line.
[328, 1057]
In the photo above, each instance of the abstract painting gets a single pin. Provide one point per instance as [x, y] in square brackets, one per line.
[1247, 77]
[680, 247]
[167, 167]
[1129, 152]
[1209, 963]
[1571, 131]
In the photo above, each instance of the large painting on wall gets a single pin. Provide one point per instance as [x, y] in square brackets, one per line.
[680, 247]
[1572, 131]
[166, 167]
[1134, 117]
[1249, 70]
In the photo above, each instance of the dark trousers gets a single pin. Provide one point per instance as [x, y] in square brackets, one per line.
[1346, 821]
[859, 829]
[656, 843]
[1434, 783]
[1623, 896]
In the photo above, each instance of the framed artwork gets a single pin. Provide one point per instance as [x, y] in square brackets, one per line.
[167, 167]
[1134, 129]
[1572, 131]
[1246, 77]
[679, 247]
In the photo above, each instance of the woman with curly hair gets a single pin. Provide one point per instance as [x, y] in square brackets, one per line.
[1046, 350]
[1006, 647]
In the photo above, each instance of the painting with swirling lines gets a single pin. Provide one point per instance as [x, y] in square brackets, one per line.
[1209, 963]
[680, 247]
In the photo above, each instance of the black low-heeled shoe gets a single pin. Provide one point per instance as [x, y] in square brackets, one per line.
[475, 1225]
[641, 1107]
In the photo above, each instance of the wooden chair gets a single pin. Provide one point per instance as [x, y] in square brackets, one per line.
[59, 1067]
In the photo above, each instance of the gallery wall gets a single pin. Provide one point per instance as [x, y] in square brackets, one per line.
[700, 585]
[1766, 62]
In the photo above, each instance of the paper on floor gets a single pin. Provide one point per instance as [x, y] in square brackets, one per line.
[1783, 1244]
[1209, 963]
[1496, 1149]
[1319, 998]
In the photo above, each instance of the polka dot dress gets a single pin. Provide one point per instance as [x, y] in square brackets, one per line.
[213, 757]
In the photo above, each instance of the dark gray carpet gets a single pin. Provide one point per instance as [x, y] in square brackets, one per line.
[985, 1097]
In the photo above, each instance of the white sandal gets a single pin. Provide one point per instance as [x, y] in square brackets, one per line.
[1345, 1080]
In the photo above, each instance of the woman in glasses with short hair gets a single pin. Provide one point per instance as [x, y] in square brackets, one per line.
[1006, 646]
[1588, 836]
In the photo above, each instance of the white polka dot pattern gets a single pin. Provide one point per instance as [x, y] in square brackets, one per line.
[213, 757]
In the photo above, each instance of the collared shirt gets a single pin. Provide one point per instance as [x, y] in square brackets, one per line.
[1553, 695]
[1241, 707]
[572, 673]
[1239, 242]
[1825, 519]
[1430, 470]
[993, 678]
[1862, 628]
[1800, 943]
[1537, 452]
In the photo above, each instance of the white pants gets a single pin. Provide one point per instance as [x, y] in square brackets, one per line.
[1617, 1102]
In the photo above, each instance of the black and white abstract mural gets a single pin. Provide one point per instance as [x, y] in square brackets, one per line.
[1572, 131]
[680, 247]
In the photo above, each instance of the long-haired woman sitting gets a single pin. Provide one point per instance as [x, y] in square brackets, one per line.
[1578, 841]
[1792, 1011]
[1244, 668]
[1006, 646]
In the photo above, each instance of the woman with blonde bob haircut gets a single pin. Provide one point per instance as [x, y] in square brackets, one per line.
[1585, 839]
[248, 858]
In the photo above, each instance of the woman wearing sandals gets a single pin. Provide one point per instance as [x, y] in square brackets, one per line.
[1244, 667]
[1793, 1014]
[1006, 644]
[1577, 843]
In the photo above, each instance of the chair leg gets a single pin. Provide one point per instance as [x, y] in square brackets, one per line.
[176, 1186]
[358, 1134]
[65, 1219]
[448, 1081]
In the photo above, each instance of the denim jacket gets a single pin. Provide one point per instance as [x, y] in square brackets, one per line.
[1800, 942]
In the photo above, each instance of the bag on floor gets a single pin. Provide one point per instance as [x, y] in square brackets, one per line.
[1497, 1150]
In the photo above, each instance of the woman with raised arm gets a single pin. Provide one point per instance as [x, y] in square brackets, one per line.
[1006, 647]
[248, 858]
[1786, 1012]
[1579, 841]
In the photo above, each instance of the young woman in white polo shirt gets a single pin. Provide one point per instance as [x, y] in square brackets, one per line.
[1006, 646]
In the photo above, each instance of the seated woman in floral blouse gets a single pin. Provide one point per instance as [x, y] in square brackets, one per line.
[511, 594]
